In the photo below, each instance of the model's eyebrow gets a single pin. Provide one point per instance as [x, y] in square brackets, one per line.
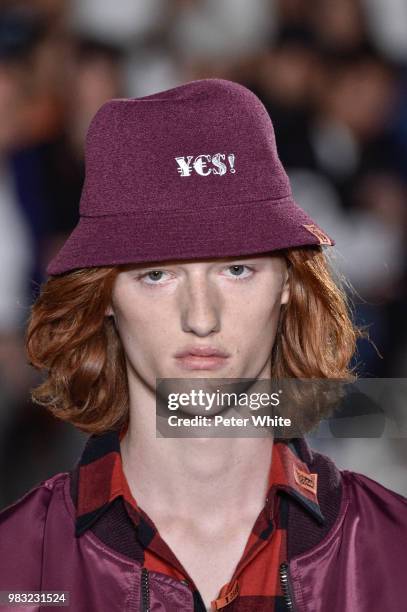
[155, 265]
[158, 265]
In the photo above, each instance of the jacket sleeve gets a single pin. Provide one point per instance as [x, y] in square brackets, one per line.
[382, 516]
[389, 502]
[21, 539]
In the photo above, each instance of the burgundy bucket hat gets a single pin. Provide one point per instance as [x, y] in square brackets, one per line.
[192, 172]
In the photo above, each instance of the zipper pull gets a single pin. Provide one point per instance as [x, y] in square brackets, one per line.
[285, 586]
[145, 590]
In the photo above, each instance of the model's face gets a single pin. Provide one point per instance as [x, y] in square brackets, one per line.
[213, 318]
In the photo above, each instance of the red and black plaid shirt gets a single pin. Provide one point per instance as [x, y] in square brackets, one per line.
[256, 579]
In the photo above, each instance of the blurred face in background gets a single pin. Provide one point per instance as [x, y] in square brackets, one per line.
[339, 25]
[360, 96]
[95, 76]
[11, 103]
[97, 80]
[288, 74]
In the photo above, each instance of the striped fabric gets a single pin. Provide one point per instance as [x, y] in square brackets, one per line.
[255, 584]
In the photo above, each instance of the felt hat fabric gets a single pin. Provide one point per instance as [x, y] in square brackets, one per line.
[188, 173]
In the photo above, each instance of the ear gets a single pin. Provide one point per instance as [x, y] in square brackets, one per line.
[285, 292]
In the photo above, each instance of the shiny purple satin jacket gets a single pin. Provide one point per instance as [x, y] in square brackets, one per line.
[357, 564]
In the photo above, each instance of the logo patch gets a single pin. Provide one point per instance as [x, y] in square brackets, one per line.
[306, 481]
[233, 592]
[318, 233]
[204, 165]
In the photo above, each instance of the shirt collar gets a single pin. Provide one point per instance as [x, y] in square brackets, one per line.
[291, 475]
[100, 479]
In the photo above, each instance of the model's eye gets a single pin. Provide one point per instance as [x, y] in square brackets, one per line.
[153, 277]
[239, 271]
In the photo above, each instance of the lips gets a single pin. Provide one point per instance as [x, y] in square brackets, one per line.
[201, 351]
[201, 358]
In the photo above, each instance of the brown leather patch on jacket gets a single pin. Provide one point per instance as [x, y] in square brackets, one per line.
[306, 481]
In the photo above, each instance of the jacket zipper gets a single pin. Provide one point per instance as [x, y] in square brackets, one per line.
[285, 585]
[145, 591]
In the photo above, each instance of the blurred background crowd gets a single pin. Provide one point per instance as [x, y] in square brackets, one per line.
[333, 76]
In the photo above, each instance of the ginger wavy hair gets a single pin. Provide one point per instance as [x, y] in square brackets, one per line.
[76, 344]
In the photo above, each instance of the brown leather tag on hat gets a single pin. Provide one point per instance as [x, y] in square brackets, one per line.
[306, 481]
[318, 233]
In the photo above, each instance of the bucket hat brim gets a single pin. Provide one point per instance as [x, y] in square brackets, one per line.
[248, 228]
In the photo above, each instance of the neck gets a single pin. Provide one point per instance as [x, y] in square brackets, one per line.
[222, 475]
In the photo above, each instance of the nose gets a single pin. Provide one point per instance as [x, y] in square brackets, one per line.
[200, 307]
